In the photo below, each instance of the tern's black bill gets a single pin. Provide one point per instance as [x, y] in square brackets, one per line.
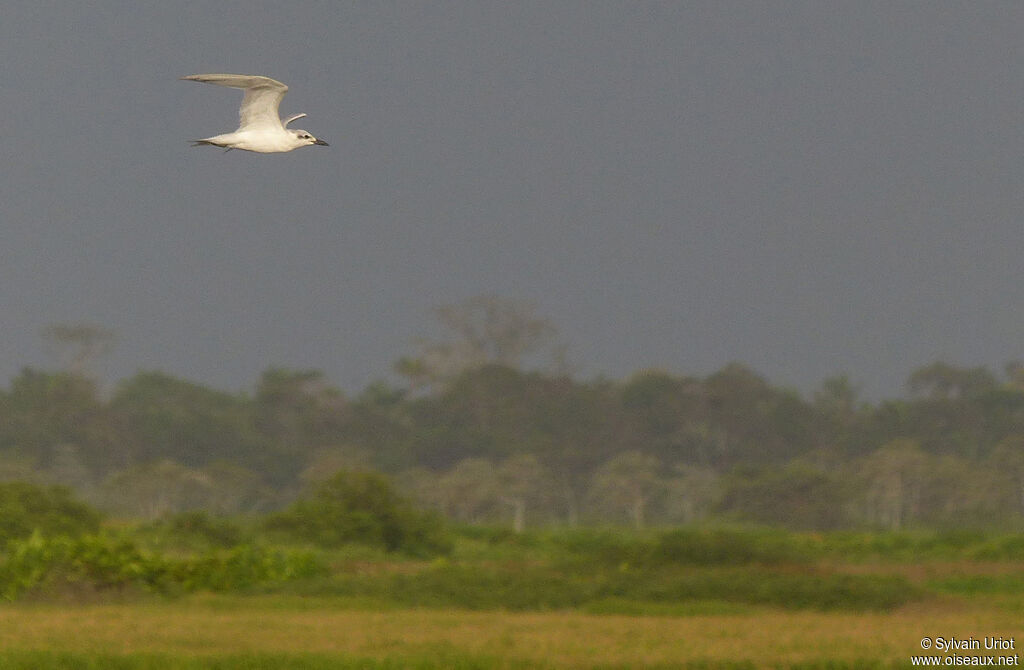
[322, 143]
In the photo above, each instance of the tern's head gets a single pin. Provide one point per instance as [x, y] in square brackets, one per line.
[302, 138]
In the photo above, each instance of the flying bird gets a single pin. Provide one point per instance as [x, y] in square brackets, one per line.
[259, 128]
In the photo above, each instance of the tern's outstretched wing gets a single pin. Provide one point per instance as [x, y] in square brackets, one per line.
[262, 97]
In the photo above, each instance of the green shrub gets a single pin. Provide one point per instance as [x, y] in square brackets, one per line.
[96, 561]
[686, 546]
[245, 566]
[361, 508]
[1004, 548]
[193, 530]
[103, 563]
[795, 496]
[546, 588]
[725, 547]
[473, 587]
[607, 547]
[760, 586]
[915, 545]
[979, 584]
[27, 508]
[492, 535]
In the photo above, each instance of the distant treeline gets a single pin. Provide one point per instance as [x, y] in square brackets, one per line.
[493, 442]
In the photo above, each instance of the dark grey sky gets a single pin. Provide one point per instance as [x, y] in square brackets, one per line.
[811, 188]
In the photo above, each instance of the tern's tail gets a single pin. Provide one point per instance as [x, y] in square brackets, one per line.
[199, 143]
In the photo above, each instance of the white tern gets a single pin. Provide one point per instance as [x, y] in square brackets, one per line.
[259, 127]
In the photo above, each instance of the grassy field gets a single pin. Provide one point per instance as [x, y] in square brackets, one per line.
[716, 600]
[289, 632]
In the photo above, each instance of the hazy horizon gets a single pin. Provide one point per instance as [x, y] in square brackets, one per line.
[810, 189]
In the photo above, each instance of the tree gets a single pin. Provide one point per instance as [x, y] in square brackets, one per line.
[754, 423]
[47, 413]
[482, 330]
[961, 411]
[958, 493]
[795, 495]
[893, 479]
[1007, 459]
[19, 468]
[360, 508]
[522, 478]
[78, 345]
[67, 467]
[664, 416]
[379, 422]
[170, 418]
[298, 408]
[469, 491]
[26, 508]
[692, 493]
[324, 463]
[237, 490]
[837, 399]
[1014, 371]
[156, 489]
[941, 381]
[629, 480]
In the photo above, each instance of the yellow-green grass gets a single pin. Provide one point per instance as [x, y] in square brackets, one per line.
[199, 630]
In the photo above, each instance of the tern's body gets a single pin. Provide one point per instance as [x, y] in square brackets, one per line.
[259, 129]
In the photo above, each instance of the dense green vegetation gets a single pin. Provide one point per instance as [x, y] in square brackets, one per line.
[561, 572]
[342, 551]
[360, 508]
[497, 444]
[487, 427]
[103, 565]
[193, 574]
[26, 509]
